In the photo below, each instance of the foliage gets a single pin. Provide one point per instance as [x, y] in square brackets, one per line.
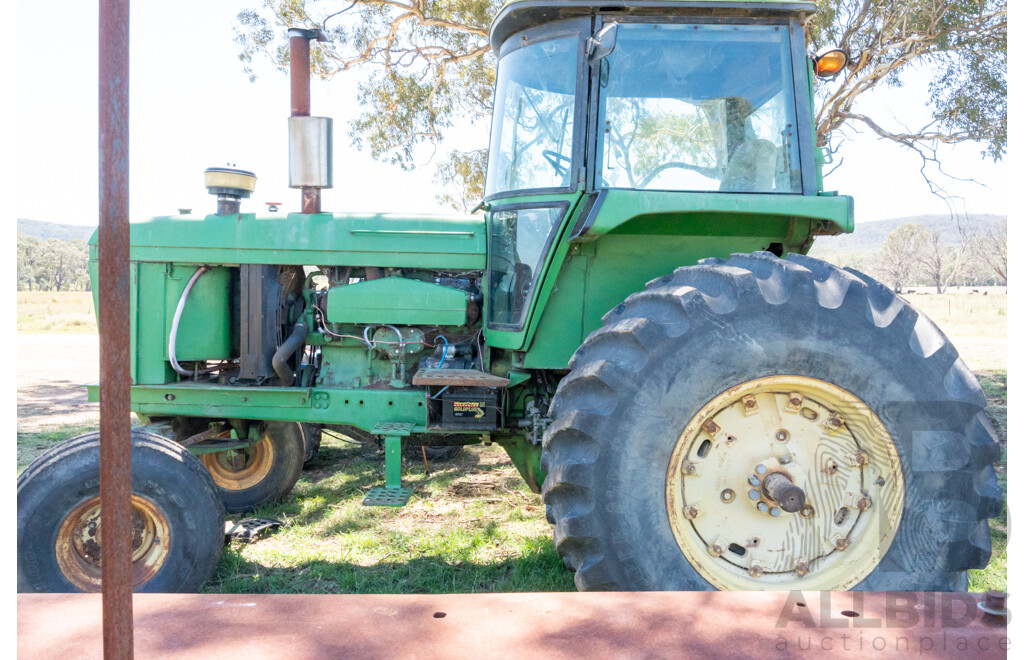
[53, 265]
[963, 42]
[942, 263]
[462, 179]
[992, 248]
[428, 62]
[900, 255]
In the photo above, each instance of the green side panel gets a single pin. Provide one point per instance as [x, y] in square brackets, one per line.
[398, 301]
[204, 330]
[151, 322]
[383, 240]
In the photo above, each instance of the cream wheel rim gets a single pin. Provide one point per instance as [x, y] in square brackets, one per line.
[242, 468]
[823, 440]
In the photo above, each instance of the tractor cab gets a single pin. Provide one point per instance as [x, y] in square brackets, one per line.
[612, 115]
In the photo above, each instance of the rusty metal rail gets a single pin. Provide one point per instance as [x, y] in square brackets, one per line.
[114, 322]
[761, 625]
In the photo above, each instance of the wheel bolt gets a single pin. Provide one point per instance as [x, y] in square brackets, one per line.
[762, 507]
[840, 542]
[691, 512]
[754, 494]
[715, 550]
[760, 469]
[864, 503]
[775, 511]
[756, 570]
[807, 511]
[802, 568]
[754, 481]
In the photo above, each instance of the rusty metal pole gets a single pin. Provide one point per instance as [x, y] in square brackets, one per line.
[298, 69]
[115, 377]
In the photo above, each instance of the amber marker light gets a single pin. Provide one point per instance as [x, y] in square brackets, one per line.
[829, 62]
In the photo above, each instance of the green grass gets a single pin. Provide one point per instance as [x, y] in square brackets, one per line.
[473, 526]
[31, 445]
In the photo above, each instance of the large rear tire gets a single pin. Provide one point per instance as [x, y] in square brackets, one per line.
[178, 519]
[721, 373]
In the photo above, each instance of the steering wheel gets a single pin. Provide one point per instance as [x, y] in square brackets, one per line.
[556, 159]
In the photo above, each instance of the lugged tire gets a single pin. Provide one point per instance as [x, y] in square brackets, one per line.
[667, 351]
[311, 436]
[285, 445]
[67, 476]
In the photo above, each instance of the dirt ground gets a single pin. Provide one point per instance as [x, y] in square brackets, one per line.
[51, 371]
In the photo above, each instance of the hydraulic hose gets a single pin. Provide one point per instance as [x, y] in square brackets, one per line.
[286, 350]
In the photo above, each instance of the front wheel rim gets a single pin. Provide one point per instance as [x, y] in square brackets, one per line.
[243, 468]
[822, 439]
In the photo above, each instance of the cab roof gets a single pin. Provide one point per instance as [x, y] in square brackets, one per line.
[518, 15]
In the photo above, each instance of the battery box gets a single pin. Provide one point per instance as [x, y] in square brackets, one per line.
[470, 408]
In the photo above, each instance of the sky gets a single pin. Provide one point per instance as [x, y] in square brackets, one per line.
[192, 107]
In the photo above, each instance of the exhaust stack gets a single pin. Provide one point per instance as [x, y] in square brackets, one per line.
[310, 139]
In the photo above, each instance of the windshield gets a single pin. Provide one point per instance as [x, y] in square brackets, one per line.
[699, 107]
[531, 135]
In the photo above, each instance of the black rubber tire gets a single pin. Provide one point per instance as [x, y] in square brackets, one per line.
[162, 471]
[289, 455]
[311, 436]
[668, 350]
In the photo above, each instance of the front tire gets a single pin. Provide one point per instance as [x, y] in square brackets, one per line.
[637, 488]
[263, 473]
[178, 520]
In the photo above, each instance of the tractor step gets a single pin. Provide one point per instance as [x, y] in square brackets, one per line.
[458, 378]
[392, 493]
[387, 496]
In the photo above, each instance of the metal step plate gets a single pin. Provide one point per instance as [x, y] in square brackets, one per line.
[384, 496]
[458, 377]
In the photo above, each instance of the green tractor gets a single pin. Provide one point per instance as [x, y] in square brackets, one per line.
[633, 319]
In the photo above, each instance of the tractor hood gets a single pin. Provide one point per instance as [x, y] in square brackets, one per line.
[324, 239]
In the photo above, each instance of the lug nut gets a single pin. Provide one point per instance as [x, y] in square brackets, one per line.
[715, 550]
[756, 570]
[864, 503]
[689, 467]
[807, 511]
[840, 542]
[691, 512]
[802, 568]
[711, 428]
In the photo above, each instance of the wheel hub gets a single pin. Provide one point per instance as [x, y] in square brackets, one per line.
[79, 547]
[809, 461]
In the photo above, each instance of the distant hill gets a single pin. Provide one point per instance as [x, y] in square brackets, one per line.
[48, 230]
[869, 236]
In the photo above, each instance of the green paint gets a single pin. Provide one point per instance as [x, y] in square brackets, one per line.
[635, 236]
[396, 300]
[526, 458]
